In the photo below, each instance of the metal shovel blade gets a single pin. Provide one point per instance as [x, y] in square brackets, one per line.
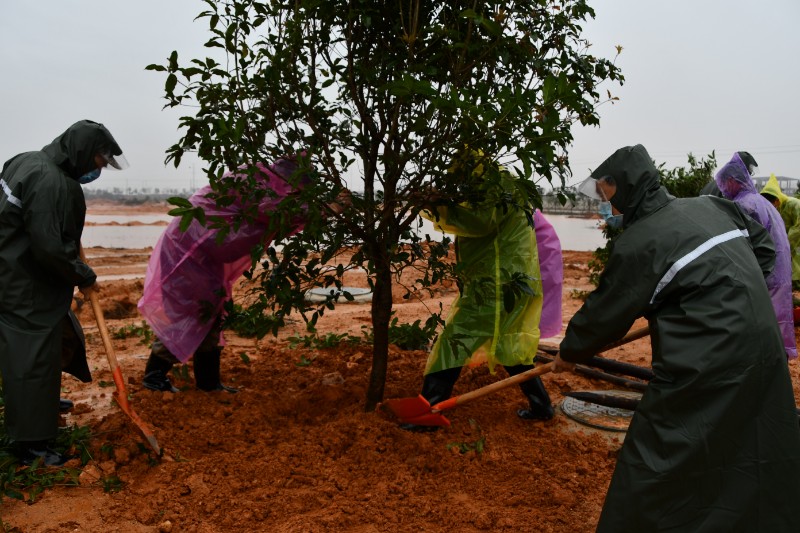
[429, 419]
[408, 408]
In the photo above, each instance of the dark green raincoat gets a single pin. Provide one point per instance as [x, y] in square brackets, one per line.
[42, 211]
[714, 444]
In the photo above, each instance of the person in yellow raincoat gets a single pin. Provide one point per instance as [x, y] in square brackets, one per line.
[789, 208]
[496, 253]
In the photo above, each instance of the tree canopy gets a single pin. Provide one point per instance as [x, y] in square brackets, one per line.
[382, 98]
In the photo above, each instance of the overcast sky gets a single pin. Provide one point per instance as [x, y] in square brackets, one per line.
[701, 75]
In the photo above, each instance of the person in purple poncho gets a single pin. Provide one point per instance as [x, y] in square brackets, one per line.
[735, 183]
[190, 277]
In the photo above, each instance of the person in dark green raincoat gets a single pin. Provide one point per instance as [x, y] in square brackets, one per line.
[714, 444]
[493, 245]
[42, 211]
[789, 208]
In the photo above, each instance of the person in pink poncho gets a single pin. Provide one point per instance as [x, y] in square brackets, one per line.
[190, 277]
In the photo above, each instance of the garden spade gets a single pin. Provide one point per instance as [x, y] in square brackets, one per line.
[418, 411]
[121, 394]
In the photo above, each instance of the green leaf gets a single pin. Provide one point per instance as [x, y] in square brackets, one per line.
[172, 81]
[179, 201]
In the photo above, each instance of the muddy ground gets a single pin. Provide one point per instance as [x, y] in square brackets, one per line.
[294, 450]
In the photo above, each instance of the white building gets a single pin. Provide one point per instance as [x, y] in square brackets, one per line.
[788, 185]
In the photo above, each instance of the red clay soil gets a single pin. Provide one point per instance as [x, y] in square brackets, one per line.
[294, 450]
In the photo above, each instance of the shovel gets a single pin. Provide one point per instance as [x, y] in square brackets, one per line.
[419, 412]
[120, 395]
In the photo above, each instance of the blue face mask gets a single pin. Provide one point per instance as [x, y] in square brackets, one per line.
[89, 176]
[604, 209]
[615, 221]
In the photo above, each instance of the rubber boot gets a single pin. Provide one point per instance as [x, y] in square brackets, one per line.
[65, 405]
[206, 371]
[541, 408]
[155, 375]
[436, 387]
[29, 451]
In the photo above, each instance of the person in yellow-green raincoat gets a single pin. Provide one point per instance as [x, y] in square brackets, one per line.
[789, 208]
[496, 249]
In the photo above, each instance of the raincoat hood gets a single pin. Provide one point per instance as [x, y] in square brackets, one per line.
[734, 179]
[73, 151]
[638, 188]
[773, 187]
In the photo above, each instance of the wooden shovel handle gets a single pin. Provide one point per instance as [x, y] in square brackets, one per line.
[116, 372]
[524, 376]
[631, 336]
[488, 389]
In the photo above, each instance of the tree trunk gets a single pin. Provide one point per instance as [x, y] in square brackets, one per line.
[381, 314]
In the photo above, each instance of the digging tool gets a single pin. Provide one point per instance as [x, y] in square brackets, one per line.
[120, 395]
[418, 411]
[607, 365]
[597, 374]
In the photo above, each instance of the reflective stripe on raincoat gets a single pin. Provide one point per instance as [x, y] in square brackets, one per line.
[190, 276]
[490, 247]
[735, 182]
[790, 213]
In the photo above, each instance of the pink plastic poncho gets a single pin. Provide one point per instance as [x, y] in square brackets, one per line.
[190, 276]
[551, 268]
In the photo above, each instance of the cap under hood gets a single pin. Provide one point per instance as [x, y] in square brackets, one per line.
[74, 150]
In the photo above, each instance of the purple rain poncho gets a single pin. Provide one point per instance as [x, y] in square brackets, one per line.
[190, 276]
[735, 183]
[551, 268]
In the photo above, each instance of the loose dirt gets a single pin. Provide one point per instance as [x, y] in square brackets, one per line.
[294, 450]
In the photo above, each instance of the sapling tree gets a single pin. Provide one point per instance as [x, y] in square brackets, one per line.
[381, 98]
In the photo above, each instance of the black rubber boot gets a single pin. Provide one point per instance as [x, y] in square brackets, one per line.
[541, 407]
[206, 371]
[30, 451]
[64, 405]
[155, 375]
[436, 387]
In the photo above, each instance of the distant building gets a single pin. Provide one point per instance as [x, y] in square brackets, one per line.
[788, 185]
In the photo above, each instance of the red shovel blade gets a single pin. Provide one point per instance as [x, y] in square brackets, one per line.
[406, 408]
[415, 411]
[429, 419]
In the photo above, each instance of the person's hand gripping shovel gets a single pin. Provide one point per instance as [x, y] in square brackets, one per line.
[121, 394]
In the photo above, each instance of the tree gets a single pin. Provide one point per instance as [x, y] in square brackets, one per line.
[387, 95]
[687, 182]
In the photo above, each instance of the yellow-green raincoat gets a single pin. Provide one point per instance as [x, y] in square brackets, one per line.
[790, 213]
[491, 245]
